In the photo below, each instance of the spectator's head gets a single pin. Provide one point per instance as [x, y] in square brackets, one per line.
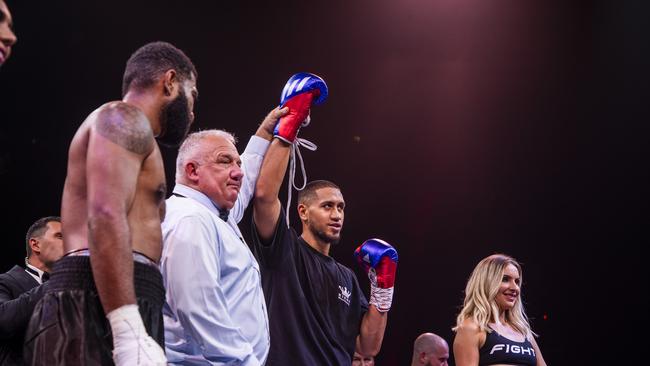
[44, 243]
[430, 350]
[360, 360]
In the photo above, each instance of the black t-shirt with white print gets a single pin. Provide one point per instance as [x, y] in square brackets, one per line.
[315, 304]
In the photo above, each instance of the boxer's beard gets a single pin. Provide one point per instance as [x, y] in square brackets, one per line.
[175, 121]
[332, 240]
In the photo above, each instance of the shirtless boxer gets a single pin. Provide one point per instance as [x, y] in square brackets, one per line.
[106, 293]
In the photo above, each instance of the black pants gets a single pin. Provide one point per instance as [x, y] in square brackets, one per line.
[69, 326]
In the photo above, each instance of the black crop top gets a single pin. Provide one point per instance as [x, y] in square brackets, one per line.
[498, 349]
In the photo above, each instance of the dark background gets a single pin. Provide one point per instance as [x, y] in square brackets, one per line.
[456, 129]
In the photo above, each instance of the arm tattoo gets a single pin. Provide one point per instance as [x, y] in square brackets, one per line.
[126, 126]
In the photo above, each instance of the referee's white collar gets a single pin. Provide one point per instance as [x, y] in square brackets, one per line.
[198, 196]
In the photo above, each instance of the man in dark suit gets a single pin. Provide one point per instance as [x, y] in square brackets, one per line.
[21, 288]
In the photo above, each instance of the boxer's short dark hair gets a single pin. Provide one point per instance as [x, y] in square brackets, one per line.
[150, 61]
[309, 192]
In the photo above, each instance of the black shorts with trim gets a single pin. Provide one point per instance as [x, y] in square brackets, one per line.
[69, 326]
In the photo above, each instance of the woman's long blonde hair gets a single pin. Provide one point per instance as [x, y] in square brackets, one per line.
[481, 290]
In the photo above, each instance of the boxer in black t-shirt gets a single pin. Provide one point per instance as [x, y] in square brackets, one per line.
[317, 311]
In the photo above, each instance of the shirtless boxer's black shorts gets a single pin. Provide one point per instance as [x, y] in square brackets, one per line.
[69, 326]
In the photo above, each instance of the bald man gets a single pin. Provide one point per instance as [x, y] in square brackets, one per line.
[430, 350]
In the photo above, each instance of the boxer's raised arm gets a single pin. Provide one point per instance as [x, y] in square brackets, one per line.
[266, 206]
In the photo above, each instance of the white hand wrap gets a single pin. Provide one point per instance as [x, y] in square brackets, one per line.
[131, 343]
[382, 298]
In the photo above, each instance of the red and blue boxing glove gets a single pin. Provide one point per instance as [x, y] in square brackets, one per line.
[301, 91]
[379, 261]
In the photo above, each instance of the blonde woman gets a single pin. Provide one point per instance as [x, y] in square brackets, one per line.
[492, 328]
